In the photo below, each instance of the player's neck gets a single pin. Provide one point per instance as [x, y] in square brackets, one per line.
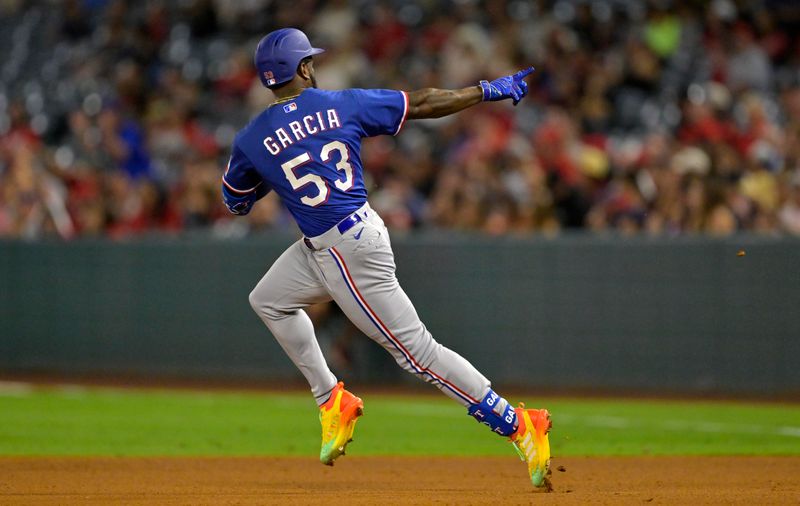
[288, 92]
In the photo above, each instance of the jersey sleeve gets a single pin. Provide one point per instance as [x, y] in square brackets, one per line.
[380, 112]
[241, 177]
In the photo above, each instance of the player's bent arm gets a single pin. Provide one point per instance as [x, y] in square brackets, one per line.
[240, 203]
[435, 103]
[242, 185]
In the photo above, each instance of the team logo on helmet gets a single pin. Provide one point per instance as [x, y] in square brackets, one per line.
[269, 77]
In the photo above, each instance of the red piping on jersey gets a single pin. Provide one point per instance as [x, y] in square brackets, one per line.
[231, 187]
[236, 190]
[405, 112]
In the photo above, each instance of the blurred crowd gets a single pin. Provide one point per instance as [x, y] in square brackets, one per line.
[659, 117]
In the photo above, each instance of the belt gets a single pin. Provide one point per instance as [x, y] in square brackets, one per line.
[343, 226]
[348, 223]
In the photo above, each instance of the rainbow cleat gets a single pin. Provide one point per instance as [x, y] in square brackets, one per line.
[338, 417]
[532, 444]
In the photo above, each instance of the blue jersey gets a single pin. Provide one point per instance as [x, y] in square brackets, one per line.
[308, 150]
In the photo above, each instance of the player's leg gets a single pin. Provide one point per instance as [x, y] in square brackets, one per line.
[359, 271]
[279, 298]
[360, 274]
[291, 284]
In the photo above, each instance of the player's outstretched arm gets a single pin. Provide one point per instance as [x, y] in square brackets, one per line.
[435, 103]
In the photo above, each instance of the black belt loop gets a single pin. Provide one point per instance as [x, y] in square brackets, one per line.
[308, 243]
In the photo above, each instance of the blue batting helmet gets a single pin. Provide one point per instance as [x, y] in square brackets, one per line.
[279, 53]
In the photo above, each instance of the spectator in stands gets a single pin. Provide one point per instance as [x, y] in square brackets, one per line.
[644, 118]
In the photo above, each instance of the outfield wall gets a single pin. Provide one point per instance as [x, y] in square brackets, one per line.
[583, 312]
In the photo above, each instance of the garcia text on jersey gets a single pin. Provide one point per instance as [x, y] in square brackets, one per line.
[311, 124]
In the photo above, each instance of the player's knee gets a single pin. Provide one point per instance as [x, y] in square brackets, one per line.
[264, 304]
[255, 300]
[427, 350]
[259, 300]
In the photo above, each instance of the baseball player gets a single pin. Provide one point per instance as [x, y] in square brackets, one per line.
[305, 146]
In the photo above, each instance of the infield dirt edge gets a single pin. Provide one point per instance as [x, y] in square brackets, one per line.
[396, 480]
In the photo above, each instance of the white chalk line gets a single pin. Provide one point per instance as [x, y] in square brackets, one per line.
[15, 389]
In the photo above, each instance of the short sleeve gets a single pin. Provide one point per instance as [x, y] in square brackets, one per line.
[241, 176]
[380, 112]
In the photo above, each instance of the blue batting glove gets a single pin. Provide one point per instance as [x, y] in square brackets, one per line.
[513, 87]
[238, 204]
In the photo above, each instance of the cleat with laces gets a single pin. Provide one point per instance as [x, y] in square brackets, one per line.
[532, 443]
[338, 418]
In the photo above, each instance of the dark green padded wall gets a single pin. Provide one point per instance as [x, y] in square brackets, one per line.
[578, 312]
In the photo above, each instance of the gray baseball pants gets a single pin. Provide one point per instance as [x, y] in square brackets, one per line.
[356, 270]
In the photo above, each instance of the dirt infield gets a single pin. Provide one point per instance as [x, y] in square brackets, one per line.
[396, 480]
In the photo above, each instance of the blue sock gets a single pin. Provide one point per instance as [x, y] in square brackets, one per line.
[495, 412]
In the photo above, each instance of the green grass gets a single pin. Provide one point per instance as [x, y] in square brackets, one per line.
[139, 422]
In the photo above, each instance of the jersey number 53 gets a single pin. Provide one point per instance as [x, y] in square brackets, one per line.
[323, 191]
